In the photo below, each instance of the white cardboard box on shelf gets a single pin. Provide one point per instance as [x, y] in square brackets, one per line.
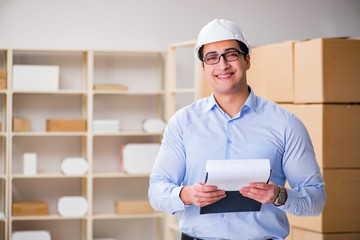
[139, 158]
[30, 164]
[72, 206]
[36, 77]
[74, 166]
[153, 125]
[106, 125]
[31, 235]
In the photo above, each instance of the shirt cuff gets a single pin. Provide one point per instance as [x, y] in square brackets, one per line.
[177, 203]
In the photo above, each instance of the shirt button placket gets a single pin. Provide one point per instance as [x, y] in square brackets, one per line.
[228, 140]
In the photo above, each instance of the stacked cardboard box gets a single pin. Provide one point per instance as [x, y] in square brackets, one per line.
[319, 81]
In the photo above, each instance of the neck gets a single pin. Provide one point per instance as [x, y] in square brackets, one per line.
[232, 103]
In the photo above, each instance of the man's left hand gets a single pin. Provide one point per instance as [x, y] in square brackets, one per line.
[265, 193]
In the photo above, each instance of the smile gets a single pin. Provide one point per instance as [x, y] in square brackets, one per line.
[224, 76]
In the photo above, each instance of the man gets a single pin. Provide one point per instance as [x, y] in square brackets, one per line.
[234, 123]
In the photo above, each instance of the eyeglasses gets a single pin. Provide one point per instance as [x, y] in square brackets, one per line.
[230, 56]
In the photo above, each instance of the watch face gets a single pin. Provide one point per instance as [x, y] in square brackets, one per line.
[280, 199]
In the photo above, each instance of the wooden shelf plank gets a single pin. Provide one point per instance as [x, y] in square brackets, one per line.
[109, 51]
[105, 216]
[127, 133]
[45, 175]
[47, 217]
[127, 92]
[183, 90]
[58, 92]
[44, 133]
[119, 175]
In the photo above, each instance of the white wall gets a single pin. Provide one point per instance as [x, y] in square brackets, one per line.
[145, 24]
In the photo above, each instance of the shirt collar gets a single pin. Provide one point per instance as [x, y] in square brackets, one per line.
[250, 101]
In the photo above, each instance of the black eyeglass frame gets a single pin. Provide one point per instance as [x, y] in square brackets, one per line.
[224, 56]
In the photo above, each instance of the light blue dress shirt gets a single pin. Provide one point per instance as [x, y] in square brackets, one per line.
[262, 129]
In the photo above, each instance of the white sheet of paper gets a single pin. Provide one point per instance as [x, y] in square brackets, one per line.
[232, 175]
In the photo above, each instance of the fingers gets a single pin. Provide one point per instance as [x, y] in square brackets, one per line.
[261, 192]
[204, 195]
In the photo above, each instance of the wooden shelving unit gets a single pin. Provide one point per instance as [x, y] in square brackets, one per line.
[154, 90]
[80, 70]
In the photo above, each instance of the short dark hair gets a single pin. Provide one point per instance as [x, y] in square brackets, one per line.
[242, 46]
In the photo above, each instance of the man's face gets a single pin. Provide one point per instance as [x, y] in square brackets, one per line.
[226, 77]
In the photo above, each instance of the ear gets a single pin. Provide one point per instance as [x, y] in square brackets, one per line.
[203, 66]
[247, 62]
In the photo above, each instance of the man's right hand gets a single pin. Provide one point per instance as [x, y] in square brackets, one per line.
[201, 195]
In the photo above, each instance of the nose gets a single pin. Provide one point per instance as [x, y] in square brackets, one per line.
[222, 62]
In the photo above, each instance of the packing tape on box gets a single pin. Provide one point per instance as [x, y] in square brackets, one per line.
[74, 166]
[72, 206]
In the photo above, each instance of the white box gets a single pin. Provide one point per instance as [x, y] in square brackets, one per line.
[154, 125]
[72, 206]
[139, 158]
[31, 235]
[106, 125]
[29, 164]
[74, 166]
[36, 77]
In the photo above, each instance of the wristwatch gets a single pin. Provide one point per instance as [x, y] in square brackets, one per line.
[281, 198]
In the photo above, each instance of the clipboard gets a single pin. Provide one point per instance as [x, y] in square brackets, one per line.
[234, 200]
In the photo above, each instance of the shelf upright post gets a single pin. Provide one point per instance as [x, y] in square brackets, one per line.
[8, 127]
[88, 84]
[170, 82]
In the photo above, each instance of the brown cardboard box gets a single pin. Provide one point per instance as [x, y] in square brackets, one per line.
[66, 125]
[21, 125]
[300, 234]
[3, 81]
[327, 71]
[271, 71]
[334, 130]
[110, 87]
[33, 208]
[133, 207]
[341, 211]
[206, 88]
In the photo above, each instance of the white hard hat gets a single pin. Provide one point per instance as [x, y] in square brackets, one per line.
[220, 30]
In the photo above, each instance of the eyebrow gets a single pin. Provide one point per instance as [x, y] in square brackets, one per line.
[226, 50]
